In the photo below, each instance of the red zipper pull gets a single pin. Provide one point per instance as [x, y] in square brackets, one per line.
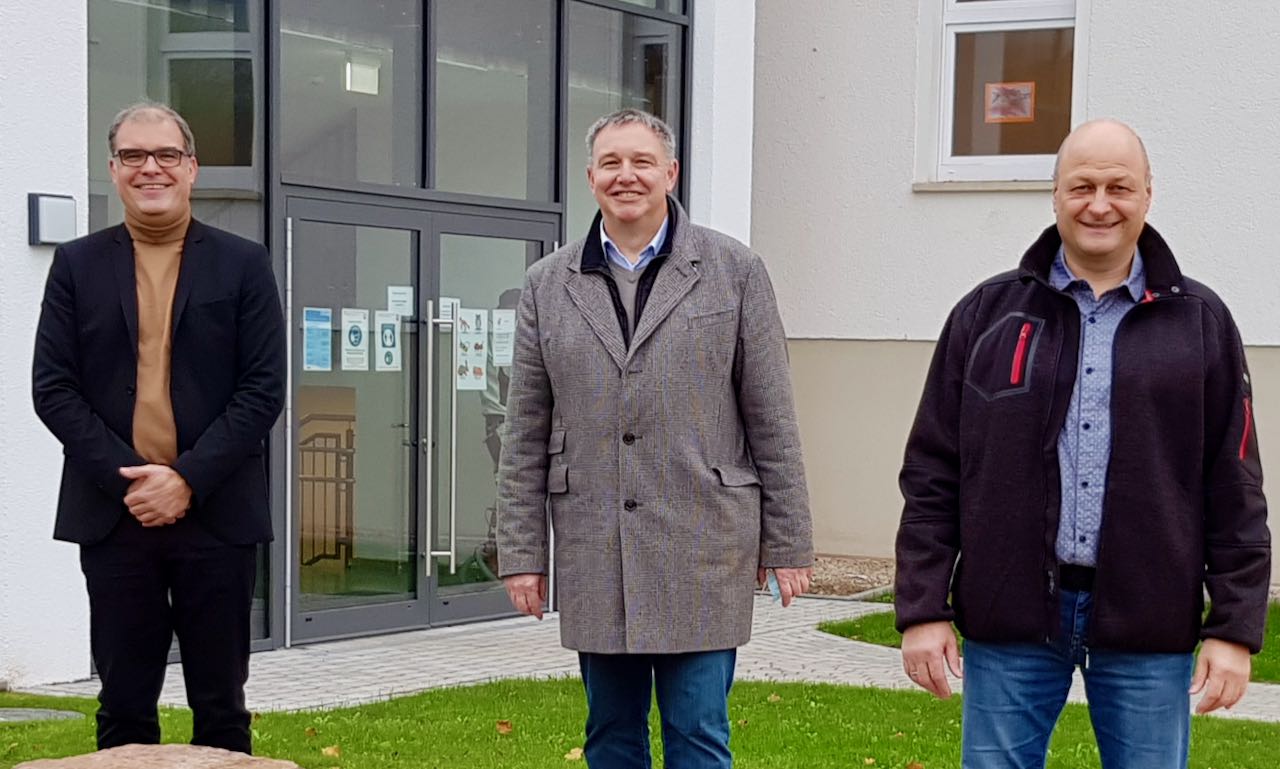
[1020, 355]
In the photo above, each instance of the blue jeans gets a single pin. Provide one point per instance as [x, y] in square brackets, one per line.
[1014, 693]
[693, 701]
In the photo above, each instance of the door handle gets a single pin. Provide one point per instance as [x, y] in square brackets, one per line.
[431, 553]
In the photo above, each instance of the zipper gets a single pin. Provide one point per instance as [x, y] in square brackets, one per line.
[1248, 422]
[1020, 355]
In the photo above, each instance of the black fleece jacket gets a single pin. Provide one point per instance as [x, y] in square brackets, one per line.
[1183, 508]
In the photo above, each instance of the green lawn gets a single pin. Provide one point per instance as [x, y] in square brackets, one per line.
[878, 629]
[775, 725]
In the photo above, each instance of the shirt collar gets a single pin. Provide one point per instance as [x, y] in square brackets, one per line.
[646, 256]
[1061, 277]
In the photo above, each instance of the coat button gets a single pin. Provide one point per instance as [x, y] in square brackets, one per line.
[129, 391]
[630, 504]
[628, 438]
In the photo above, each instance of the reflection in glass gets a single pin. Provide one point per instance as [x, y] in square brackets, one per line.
[674, 6]
[216, 98]
[1013, 91]
[486, 275]
[351, 95]
[353, 431]
[495, 66]
[616, 60]
[202, 57]
[208, 15]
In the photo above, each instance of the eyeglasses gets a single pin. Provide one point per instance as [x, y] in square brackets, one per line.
[166, 157]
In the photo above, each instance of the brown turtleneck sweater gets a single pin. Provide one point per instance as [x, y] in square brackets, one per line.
[157, 255]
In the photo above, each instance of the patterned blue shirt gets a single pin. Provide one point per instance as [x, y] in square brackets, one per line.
[646, 256]
[1084, 445]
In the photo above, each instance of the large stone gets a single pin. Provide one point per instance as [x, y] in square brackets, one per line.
[160, 757]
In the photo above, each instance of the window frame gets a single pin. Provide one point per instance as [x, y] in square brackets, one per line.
[941, 22]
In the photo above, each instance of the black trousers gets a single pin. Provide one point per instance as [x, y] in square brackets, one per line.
[148, 584]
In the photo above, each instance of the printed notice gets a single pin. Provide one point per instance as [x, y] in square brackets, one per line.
[448, 311]
[317, 339]
[400, 301]
[355, 340]
[472, 341]
[503, 337]
[386, 325]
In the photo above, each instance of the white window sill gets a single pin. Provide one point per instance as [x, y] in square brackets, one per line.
[983, 186]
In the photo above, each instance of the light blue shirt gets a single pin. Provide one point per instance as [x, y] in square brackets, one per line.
[1084, 445]
[646, 256]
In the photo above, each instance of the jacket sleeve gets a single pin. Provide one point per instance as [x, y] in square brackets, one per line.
[259, 393]
[928, 540]
[1237, 543]
[522, 471]
[89, 445]
[763, 378]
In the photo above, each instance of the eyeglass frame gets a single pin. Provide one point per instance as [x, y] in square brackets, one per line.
[154, 155]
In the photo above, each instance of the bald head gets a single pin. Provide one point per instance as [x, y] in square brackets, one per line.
[1103, 135]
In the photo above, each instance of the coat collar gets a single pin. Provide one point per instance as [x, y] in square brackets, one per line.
[1162, 271]
[677, 244]
[676, 278]
[122, 259]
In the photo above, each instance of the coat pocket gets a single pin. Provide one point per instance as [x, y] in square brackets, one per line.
[1003, 358]
[735, 475]
[712, 318]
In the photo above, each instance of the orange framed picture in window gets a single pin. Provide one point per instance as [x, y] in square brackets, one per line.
[1010, 102]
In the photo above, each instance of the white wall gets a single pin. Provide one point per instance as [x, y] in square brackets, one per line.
[856, 254]
[721, 129]
[44, 617]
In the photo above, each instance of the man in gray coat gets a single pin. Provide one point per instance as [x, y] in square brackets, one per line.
[650, 414]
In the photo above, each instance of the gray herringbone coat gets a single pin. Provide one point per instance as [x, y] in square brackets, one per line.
[713, 466]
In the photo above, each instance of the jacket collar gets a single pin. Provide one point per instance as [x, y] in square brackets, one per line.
[593, 256]
[1163, 273]
[127, 279]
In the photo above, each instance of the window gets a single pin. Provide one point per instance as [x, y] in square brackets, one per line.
[1005, 96]
[203, 58]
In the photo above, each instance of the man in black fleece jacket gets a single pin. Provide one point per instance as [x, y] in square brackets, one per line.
[1082, 467]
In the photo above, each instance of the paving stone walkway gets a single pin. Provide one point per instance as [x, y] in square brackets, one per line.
[786, 646]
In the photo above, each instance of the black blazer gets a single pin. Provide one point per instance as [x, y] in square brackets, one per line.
[227, 378]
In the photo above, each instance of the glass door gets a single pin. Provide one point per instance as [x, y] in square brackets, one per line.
[355, 415]
[477, 267]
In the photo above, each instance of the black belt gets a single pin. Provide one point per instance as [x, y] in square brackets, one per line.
[1073, 577]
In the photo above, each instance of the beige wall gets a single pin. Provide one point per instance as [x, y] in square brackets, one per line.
[856, 400]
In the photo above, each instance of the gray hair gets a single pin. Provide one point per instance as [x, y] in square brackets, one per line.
[151, 110]
[627, 117]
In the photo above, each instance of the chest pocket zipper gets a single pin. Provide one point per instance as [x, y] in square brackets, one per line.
[1020, 355]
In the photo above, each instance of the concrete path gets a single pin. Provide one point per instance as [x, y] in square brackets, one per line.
[786, 646]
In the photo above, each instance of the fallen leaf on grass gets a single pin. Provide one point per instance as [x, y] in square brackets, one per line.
[900, 735]
[743, 722]
[573, 755]
[774, 698]
[310, 731]
[869, 761]
[333, 751]
[505, 727]
[915, 765]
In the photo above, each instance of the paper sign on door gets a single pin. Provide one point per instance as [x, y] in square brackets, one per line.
[386, 325]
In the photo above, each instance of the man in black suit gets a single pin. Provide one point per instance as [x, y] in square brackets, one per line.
[160, 367]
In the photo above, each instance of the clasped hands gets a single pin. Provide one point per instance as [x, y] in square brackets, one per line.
[157, 496]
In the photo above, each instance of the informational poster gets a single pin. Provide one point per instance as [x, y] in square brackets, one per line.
[400, 301]
[448, 311]
[355, 340]
[473, 348]
[503, 338]
[386, 325]
[317, 339]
